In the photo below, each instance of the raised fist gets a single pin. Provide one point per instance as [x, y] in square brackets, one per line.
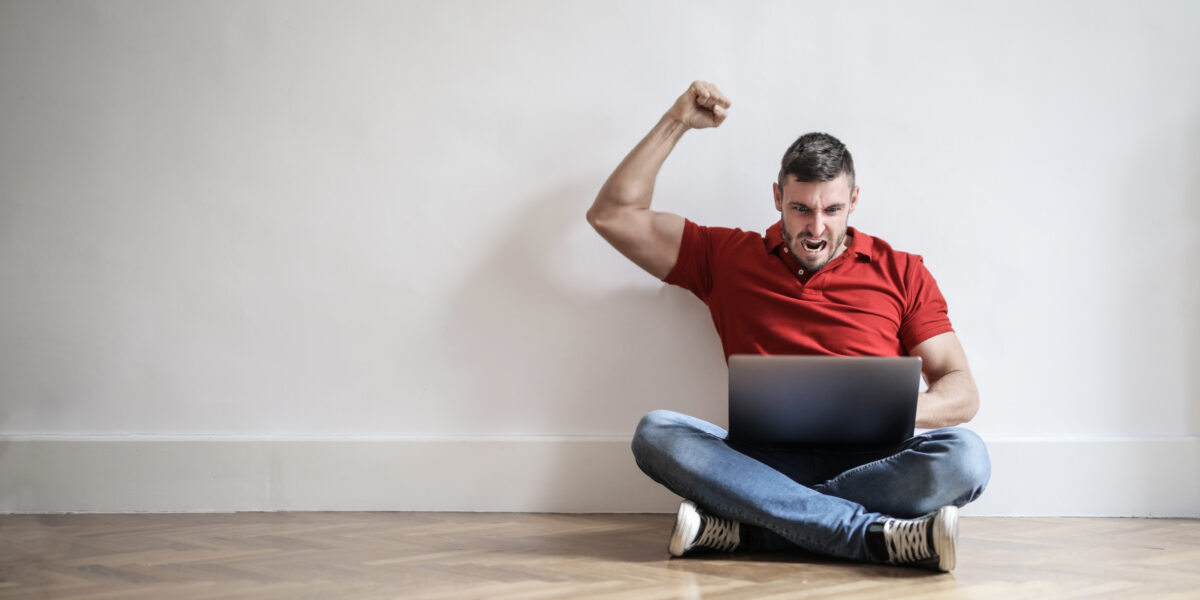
[701, 106]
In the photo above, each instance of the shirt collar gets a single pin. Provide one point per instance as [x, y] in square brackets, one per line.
[860, 243]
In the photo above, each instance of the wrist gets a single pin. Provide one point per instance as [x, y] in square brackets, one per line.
[673, 125]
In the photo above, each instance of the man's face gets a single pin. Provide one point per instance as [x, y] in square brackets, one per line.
[814, 218]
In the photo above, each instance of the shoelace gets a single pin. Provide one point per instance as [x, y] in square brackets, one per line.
[719, 534]
[907, 540]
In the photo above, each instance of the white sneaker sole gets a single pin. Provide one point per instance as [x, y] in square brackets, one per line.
[945, 536]
[687, 527]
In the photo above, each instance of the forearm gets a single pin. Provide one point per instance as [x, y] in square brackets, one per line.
[631, 185]
[951, 400]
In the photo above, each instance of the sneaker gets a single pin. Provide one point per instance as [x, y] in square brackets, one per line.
[698, 530]
[927, 541]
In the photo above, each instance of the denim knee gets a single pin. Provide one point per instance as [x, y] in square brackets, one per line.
[649, 433]
[968, 463]
[652, 441]
[949, 466]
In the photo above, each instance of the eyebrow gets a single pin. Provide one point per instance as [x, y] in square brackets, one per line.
[827, 207]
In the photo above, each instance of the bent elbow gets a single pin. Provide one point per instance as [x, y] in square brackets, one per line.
[593, 217]
[971, 407]
[600, 217]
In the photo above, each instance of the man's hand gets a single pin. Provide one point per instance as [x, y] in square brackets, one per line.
[701, 106]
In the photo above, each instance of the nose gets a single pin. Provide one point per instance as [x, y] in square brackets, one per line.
[816, 226]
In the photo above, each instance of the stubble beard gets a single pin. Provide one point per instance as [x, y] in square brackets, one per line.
[791, 246]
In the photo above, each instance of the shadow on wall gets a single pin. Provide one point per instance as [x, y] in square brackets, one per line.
[539, 355]
[1191, 292]
[1145, 332]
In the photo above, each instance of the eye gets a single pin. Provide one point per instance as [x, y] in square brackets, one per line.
[833, 210]
[800, 208]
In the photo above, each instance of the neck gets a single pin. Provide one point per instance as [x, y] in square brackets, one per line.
[845, 244]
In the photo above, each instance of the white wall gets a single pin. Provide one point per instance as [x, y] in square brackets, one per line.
[255, 225]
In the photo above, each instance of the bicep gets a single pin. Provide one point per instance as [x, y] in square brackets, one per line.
[649, 238]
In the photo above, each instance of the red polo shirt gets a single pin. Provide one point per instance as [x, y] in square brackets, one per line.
[869, 301]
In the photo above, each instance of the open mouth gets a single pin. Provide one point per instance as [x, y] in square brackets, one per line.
[813, 245]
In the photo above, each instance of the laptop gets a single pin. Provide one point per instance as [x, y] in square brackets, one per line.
[822, 399]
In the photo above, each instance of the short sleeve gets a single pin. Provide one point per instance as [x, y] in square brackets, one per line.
[693, 269]
[925, 311]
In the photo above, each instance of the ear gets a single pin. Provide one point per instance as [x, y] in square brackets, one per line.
[853, 199]
[778, 196]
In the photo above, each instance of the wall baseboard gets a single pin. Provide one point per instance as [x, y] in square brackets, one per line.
[1142, 477]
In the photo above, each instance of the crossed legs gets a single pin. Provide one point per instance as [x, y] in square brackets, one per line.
[821, 499]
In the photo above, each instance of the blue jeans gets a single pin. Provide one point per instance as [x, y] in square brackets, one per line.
[817, 498]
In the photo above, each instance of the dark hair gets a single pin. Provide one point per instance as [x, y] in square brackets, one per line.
[816, 157]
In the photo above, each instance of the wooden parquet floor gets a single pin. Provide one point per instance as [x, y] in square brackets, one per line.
[529, 556]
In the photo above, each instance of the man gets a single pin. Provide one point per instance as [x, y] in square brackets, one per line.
[810, 285]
